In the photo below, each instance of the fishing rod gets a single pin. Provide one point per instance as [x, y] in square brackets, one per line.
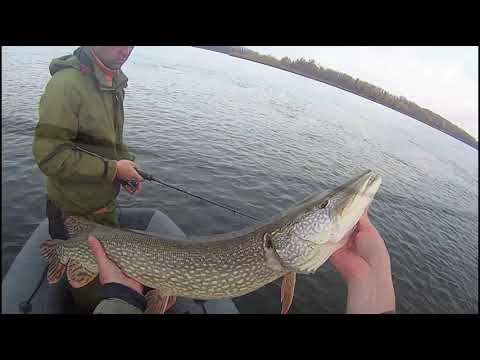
[132, 183]
[149, 177]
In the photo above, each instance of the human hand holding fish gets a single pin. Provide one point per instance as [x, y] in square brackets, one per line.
[108, 271]
[298, 240]
[364, 263]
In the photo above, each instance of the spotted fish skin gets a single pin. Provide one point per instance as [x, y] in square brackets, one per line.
[201, 270]
[227, 265]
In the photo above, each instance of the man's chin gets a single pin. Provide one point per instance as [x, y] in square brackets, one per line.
[115, 65]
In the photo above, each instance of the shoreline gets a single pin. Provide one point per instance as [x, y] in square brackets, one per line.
[293, 71]
[466, 140]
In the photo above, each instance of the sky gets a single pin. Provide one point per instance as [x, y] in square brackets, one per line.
[443, 79]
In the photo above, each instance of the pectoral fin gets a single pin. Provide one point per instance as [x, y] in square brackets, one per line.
[50, 249]
[287, 291]
[78, 275]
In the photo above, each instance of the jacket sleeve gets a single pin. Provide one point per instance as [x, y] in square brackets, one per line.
[120, 299]
[124, 152]
[57, 128]
[116, 306]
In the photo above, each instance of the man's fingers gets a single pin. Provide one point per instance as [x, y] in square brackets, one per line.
[364, 222]
[98, 251]
[137, 175]
[75, 284]
[132, 190]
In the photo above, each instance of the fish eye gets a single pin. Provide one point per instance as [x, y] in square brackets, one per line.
[324, 204]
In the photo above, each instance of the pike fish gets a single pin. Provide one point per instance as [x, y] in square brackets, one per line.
[228, 265]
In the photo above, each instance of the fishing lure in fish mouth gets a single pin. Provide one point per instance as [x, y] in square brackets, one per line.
[298, 240]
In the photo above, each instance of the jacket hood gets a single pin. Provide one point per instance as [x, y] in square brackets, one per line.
[82, 59]
[64, 62]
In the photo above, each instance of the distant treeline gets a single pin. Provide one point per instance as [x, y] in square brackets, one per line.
[346, 82]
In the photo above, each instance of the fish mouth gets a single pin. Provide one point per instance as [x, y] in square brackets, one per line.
[335, 216]
[354, 198]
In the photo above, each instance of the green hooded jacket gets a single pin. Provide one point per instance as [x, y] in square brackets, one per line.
[80, 109]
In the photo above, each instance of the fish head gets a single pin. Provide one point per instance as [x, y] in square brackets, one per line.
[323, 225]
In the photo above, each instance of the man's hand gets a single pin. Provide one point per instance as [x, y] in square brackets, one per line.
[364, 263]
[126, 171]
[109, 272]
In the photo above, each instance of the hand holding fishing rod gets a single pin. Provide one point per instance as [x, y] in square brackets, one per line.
[149, 177]
[131, 178]
[128, 175]
[126, 172]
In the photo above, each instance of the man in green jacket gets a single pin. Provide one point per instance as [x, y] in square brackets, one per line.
[78, 141]
[82, 109]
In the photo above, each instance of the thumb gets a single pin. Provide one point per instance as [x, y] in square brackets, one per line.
[364, 222]
[97, 249]
[137, 175]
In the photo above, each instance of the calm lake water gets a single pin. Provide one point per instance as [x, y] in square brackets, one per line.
[261, 139]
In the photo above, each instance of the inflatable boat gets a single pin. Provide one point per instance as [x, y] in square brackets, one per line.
[25, 289]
